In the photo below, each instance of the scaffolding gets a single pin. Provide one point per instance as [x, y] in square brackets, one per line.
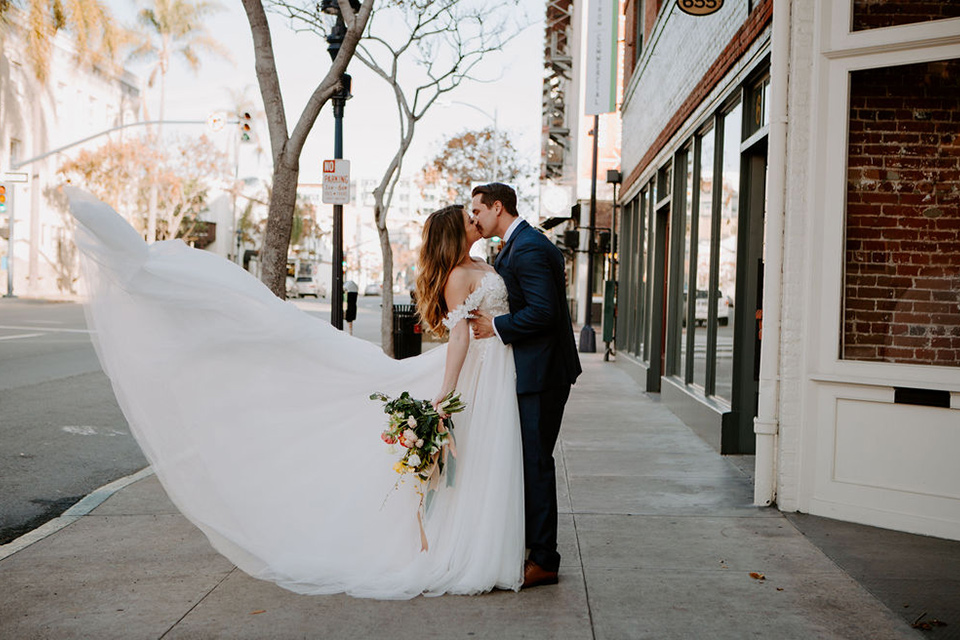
[558, 65]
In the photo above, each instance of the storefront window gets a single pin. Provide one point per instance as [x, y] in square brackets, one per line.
[704, 197]
[635, 312]
[759, 101]
[686, 218]
[902, 261]
[727, 258]
[647, 203]
[875, 14]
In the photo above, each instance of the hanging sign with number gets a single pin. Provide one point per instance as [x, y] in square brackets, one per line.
[699, 7]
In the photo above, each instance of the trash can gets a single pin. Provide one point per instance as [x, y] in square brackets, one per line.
[406, 331]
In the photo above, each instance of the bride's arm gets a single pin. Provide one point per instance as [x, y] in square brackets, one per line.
[456, 291]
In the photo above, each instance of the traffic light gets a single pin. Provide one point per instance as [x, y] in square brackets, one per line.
[3, 198]
[246, 127]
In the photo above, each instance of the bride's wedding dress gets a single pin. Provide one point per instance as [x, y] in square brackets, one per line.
[257, 420]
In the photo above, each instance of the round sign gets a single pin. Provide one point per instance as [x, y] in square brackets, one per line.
[699, 7]
[216, 121]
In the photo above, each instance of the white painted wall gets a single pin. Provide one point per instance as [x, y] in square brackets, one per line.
[846, 450]
[71, 105]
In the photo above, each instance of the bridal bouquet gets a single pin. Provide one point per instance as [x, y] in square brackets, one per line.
[424, 435]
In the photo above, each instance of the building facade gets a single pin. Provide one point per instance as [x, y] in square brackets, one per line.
[35, 118]
[566, 163]
[790, 245]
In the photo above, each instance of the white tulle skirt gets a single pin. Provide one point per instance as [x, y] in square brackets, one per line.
[257, 420]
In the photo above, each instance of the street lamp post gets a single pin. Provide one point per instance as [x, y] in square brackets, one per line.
[588, 337]
[335, 39]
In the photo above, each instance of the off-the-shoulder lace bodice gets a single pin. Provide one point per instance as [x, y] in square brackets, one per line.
[490, 296]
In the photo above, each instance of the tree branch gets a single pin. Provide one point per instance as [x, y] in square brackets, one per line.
[266, 67]
[331, 82]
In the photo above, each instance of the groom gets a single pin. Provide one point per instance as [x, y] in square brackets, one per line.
[538, 326]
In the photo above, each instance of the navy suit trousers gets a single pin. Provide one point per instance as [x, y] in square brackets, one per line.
[540, 417]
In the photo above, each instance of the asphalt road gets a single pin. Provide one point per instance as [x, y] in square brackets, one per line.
[62, 434]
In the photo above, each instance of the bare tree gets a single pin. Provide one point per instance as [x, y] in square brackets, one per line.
[286, 146]
[442, 43]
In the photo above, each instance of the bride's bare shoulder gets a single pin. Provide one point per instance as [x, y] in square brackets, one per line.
[464, 277]
[483, 266]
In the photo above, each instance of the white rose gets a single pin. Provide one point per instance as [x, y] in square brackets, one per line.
[414, 461]
[410, 436]
[420, 443]
[411, 421]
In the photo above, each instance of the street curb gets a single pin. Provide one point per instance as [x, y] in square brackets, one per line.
[74, 513]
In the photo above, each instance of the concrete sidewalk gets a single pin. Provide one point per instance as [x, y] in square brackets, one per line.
[657, 532]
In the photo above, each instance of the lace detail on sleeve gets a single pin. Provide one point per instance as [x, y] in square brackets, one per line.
[463, 310]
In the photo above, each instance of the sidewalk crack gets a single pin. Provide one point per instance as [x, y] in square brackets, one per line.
[197, 603]
[576, 536]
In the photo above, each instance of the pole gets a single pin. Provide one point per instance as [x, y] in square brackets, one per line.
[236, 189]
[336, 296]
[10, 257]
[143, 123]
[588, 337]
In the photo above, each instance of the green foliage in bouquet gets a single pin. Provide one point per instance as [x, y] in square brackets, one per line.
[421, 431]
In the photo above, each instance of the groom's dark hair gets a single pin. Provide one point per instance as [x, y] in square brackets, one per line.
[494, 191]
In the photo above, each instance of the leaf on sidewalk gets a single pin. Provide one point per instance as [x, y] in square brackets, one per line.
[253, 613]
[757, 576]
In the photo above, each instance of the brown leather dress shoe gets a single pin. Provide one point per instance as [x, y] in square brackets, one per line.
[534, 575]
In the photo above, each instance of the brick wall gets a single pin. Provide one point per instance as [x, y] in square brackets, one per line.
[873, 14]
[902, 281]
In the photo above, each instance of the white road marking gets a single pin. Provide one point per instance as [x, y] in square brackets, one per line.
[22, 335]
[46, 329]
[84, 430]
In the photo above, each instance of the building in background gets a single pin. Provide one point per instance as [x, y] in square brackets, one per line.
[36, 117]
[361, 241]
[567, 147]
[790, 245]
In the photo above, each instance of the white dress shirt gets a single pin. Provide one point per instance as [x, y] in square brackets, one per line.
[506, 236]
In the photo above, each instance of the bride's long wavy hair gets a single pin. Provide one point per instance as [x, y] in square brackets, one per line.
[444, 246]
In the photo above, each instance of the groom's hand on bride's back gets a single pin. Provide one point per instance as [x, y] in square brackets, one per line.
[481, 324]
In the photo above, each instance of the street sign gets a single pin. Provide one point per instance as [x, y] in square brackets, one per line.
[601, 62]
[699, 7]
[336, 181]
[216, 121]
[14, 176]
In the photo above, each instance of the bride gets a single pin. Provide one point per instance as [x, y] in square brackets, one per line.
[257, 420]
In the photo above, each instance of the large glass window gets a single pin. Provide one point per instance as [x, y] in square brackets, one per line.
[874, 14]
[704, 196]
[727, 258]
[902, 261]
[640, 250]
[634, 292]
[647, 210]
[638, 29]
[686, 219]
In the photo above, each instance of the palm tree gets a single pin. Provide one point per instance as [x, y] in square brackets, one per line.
[96, 35]
[173, 28]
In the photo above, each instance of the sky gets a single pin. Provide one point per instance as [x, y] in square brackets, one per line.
[512, 94]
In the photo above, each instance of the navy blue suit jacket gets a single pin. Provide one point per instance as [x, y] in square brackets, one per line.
[538, 325]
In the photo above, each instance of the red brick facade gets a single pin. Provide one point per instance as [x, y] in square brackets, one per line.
[873, 14]
[902, 282]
